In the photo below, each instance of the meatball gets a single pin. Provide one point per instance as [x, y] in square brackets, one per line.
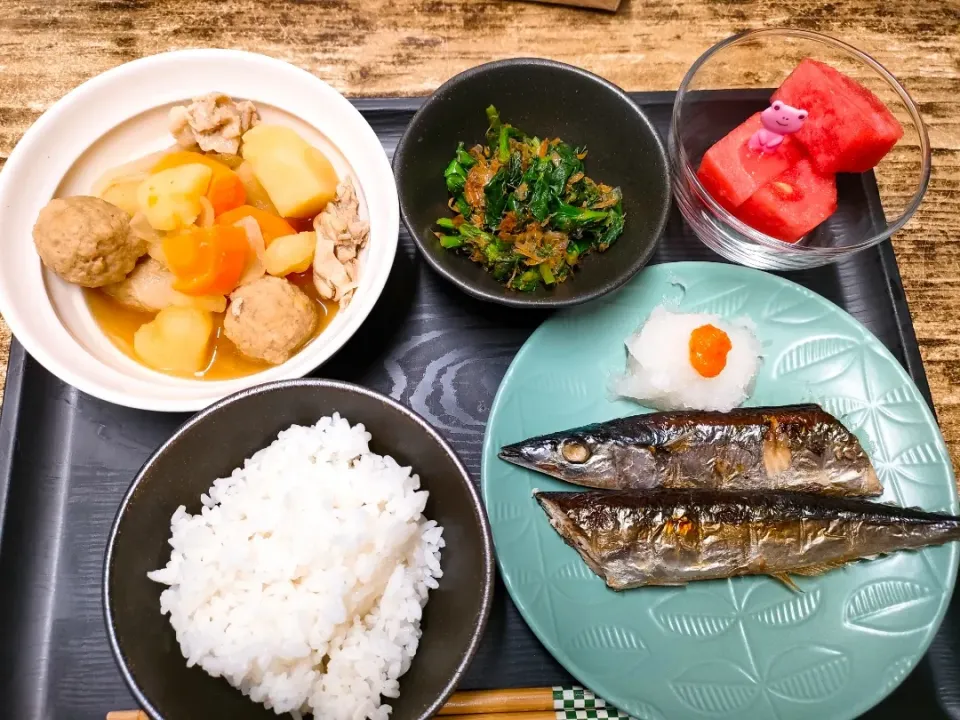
[269, 319]
[86, 241]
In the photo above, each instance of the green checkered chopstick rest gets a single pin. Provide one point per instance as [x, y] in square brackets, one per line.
[575, 703]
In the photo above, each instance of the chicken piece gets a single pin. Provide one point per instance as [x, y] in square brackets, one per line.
[269, 319]
[341, 235]
[86, 241]
[329, 275]
[149, 288]
[214, 122]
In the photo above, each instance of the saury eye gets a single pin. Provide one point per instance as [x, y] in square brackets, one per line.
[574, 451]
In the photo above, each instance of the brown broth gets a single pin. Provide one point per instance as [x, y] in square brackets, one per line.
[119, 323]
[301, 224]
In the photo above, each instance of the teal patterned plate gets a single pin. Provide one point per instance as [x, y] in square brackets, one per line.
[748, 647]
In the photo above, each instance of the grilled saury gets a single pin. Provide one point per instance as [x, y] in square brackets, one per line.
[795, 447]
[672, 537]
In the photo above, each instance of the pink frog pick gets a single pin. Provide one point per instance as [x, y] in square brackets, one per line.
[779, 120]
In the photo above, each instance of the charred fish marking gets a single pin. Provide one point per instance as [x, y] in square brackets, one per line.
[672, 537]
[795, 447]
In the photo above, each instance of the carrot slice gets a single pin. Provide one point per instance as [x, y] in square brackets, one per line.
[226, 190]
[271, 226]
[207, 261]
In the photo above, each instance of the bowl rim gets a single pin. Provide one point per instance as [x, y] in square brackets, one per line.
[520, 300]
[42, 332]
[464, 476]
[683, 168]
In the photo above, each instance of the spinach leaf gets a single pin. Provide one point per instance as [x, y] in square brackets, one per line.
[514, 170]
[569, 218]
[613, 229]
[566, 164]
[541, 193]
[495, 191]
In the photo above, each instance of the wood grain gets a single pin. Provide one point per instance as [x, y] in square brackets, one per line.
[610, 5]
[408, 47]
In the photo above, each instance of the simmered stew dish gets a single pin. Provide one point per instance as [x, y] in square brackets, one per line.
[216, 258]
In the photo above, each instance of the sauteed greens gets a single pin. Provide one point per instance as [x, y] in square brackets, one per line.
[525, 208]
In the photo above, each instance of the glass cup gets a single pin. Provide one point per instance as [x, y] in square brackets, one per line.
[736, 78]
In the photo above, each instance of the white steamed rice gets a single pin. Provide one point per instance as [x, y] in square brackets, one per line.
[303, 578]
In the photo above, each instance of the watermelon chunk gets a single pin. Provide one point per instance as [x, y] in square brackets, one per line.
[792, 204]
[848, 128]
[731, 172]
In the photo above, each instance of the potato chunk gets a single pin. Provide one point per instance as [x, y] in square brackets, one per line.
[176, 340]
[123, 194]
[290, 253]
[170, 199]
[299, 179]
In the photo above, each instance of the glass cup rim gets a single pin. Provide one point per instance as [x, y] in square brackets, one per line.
[683, 166]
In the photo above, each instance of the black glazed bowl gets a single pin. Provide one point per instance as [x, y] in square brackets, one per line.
[547, 99]
[210, 445]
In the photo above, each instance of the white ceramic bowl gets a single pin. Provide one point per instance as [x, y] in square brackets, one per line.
[121, 115]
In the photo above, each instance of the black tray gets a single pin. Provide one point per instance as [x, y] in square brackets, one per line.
[66, 460]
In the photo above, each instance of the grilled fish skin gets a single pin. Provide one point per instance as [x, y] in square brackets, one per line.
[794, 447]
[672, 537]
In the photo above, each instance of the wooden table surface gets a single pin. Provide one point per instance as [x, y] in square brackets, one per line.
[408, 47]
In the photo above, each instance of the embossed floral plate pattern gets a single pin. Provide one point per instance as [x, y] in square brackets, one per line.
[747, 647]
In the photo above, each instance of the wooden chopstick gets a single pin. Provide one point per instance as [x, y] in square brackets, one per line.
[506, 704]
[534, 715]
[500, 702]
